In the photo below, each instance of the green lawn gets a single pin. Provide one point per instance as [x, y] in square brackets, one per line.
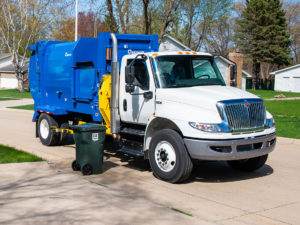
[265, 94]
[26, 107]
[7, 99]
[14, 93]
[287, 117]
[12, 155]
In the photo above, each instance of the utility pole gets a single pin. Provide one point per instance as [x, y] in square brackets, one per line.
[76, 20]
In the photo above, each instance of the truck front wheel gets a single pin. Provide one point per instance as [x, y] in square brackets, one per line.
[168, 156]
[47, 136]
[248, 164]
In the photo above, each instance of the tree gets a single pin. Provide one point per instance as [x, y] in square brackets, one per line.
[89, 25]
[262, 34]
[22, 23]
[110, 18]
[292, 10]
[146, 17]
[219, 39]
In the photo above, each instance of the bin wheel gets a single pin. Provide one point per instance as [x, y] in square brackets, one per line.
[87, 169]
[75, 166]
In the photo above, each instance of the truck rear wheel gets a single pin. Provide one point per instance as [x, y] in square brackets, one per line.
[249, 164]
[168, 157]
[47, 136]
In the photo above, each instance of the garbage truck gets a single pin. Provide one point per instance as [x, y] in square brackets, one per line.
[172, 108]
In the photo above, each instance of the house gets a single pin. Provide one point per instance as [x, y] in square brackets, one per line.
[245, 76]
[171, 44]
[287, 79]
[8, 78]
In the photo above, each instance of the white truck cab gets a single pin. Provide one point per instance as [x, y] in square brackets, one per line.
[180, 104]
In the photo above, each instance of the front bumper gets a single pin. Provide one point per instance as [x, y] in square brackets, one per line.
[233, 149]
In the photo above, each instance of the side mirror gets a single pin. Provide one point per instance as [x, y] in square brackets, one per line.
[129, 88]
[129, 75]
[148, 95]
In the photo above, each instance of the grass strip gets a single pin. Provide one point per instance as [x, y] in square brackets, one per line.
[287, 108]
[287, 126]
[182, 212]
[14, 93]
[7, 99]
[26, 107]
[12, 155]
[266, 94]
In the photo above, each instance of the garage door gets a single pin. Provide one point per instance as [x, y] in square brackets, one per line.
[296, 82]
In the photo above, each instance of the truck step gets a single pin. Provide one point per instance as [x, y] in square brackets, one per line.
[132, 131]
[130, 151]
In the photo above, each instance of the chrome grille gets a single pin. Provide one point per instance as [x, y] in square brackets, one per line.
[243, 114]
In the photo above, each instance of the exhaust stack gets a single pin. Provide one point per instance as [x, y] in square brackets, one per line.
[115, 85]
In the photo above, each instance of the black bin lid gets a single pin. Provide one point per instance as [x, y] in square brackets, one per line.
[88, 127]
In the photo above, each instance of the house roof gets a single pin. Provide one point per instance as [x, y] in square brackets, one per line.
[10, 68]
[285, 69]
[4, 55]
[173, 41]
[228, 61]
[246, 74]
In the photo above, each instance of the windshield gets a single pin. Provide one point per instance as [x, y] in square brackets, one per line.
[186, 71]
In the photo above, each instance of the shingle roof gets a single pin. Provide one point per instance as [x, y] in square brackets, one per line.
[285, 69]
[10, 68]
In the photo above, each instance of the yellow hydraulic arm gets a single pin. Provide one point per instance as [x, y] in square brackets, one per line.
[104, 100]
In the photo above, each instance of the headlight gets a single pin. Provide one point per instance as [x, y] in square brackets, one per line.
[270, 122]
[209, 127]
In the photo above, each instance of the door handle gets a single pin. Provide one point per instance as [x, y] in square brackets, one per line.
[125, 105]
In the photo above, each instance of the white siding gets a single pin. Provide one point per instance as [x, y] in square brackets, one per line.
[224, 69]
[288, 80]
[244, 83]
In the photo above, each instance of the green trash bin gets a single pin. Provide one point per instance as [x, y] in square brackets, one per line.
[89, 139]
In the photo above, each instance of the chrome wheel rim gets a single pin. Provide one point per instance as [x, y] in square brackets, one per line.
[165, 156]
[44, 129]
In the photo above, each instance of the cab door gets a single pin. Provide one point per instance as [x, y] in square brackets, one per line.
[134, 107]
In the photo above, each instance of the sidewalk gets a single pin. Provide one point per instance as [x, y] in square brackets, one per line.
[33, 193]
[278, 99]
[11, 103]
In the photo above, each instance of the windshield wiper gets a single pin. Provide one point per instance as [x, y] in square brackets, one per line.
[178, 85]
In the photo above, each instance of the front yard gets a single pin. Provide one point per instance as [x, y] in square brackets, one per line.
[287, 117]
[267, 94]
[12, 155]
[14, 94]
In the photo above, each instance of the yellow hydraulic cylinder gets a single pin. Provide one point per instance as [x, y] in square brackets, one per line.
[104, 100]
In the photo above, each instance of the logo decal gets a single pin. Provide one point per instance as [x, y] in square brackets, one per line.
[246, 104]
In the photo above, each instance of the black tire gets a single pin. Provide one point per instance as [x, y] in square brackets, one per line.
[249, 164]
[183, 164]
[51, 137]
[64, 137]
[75, 166]
[87, 169]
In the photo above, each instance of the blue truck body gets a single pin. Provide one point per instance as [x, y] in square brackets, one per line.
[64, 77]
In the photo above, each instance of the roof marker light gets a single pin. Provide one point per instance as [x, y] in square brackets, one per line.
[180, 53]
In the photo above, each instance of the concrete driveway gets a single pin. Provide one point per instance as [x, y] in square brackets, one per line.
[214, 194]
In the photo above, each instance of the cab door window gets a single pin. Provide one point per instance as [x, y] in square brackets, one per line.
[141, 74]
